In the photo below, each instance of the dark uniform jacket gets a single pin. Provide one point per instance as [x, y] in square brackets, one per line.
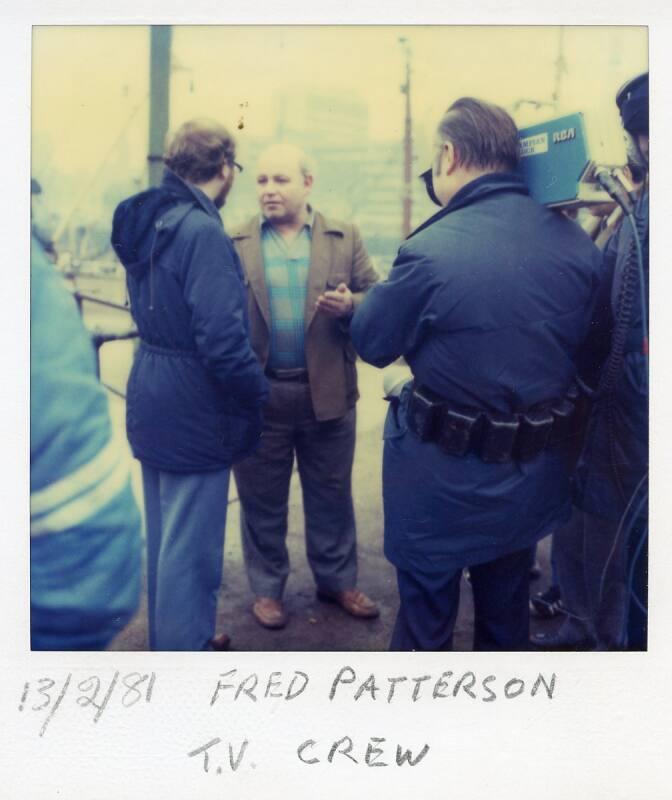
[616, 453]
[489, 302]
[196, 390]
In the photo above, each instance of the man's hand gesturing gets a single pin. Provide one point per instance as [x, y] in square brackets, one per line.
[337, 302]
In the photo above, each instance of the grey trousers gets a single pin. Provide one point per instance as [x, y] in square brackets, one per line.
[185, 518]
[591, 564]
[324, 453]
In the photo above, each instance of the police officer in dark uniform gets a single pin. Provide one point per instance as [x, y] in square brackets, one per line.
[488, 301]
[601, 556]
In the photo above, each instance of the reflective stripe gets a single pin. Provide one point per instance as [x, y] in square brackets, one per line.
[84, 506]
[78, 481]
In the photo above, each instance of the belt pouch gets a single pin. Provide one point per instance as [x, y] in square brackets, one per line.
[424, 413]
[563, 421]
[457, 431]
[580, 410]
[499, 438]
[535, 428]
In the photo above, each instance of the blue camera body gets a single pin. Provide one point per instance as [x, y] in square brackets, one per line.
[556, 163]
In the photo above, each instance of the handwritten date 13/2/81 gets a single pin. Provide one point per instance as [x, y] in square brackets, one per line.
[92, 693]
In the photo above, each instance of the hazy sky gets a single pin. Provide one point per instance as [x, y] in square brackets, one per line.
[90, 84]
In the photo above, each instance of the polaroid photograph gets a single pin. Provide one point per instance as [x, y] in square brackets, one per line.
[333, 365]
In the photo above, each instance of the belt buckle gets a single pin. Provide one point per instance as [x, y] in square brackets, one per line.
[287, 374]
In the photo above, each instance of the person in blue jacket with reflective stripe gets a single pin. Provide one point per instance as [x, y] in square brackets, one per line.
[196, 389]
[84, 521]
[488, 301]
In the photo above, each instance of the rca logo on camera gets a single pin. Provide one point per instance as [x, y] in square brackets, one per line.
[564, 135]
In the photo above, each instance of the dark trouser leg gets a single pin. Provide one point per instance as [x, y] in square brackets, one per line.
[325, 452]
[606, 578]
[638, 557]
[150, 484]
[263, 488]
[501, 602]
[428, 607]
[570, 554]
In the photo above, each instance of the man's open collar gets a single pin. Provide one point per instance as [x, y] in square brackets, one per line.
[320, 224]
[309, 223]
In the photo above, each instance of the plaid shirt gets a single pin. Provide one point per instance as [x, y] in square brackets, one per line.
[286, 266]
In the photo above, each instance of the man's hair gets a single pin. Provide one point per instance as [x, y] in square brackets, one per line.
[199, 149]
[484, 135]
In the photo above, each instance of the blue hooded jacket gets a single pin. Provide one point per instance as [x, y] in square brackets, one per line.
[196, 389]
[489, 302]
[84, 521]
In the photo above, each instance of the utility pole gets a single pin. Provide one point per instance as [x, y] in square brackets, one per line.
[560, 68]
[159, 98]
[407, 197]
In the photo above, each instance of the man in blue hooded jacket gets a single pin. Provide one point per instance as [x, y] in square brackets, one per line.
[488, 301]
[196, 389]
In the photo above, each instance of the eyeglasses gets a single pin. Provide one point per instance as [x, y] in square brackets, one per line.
[235, 164]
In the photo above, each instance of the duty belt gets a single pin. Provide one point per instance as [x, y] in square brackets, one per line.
[495, 438]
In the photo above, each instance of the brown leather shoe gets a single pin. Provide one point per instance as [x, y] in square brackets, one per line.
[269, 612]
[354, 601]
[221, 642]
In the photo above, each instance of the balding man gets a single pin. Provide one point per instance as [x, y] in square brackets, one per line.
[307, 274]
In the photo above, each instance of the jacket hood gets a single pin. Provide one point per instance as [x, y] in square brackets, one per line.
[144, 224]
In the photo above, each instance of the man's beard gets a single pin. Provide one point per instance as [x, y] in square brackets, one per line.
[634, 152]
[220, 198]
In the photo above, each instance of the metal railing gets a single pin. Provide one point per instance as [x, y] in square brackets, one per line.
[99, 338]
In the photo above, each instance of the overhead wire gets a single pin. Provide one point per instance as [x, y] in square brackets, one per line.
[98, 171]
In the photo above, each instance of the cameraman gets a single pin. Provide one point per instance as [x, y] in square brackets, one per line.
[601, 555]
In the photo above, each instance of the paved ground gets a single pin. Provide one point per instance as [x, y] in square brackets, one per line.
[313, 625]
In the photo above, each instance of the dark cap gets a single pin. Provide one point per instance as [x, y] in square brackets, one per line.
[632, 100]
